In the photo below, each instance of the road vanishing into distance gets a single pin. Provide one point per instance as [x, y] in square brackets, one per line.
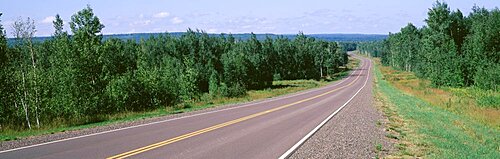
[271, 128]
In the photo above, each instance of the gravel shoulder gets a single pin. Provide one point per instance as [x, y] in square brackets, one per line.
[357, 131]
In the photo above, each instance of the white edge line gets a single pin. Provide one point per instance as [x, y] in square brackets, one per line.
[167, 120]
[304, 139]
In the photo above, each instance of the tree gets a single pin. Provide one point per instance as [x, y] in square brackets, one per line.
[481, 51]
[60, 75]
[3, 46]
[452, 50]
[58, 26]
[258, 68]
[410, 42]
[235, 72]
[24, 32]
[6, 83]
[332, 61]
[442, 55]
[322, 51]
[87, 43]
[267, 69]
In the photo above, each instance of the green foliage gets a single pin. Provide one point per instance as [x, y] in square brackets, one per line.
[214, 83]
[187, 81]
[235, 90]
[349, 46]
[123, 93]
[374, 49]
[488, 77]
[483, 98]
[58, 26]
[6, 94]
[81, 78]
[452, 50]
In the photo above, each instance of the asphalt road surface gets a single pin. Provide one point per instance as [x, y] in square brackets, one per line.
[266, 129]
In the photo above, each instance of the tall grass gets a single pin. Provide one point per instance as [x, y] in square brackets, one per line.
[478, 104]
[428, 130]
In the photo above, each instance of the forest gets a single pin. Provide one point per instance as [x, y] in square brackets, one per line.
[77, 77]
[450, 50]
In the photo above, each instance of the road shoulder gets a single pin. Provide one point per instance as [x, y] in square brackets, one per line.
[355, 132]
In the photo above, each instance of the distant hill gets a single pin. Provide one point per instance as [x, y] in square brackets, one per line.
[350, 37]
[245, 36]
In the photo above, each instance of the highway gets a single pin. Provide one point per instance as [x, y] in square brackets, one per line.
[271, 128]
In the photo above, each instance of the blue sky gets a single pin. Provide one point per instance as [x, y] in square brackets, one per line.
[216, 16]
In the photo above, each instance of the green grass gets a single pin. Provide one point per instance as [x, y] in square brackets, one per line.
[434, 132]
[205, 101]
[482, 98]
[378, 150]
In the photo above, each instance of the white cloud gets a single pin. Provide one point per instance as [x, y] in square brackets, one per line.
[212, 30]
[176, 20]
[48, 19]
[158, 30]
[161, 15]
[141, 22]
[246, 26]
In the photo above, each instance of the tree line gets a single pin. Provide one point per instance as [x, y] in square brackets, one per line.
[79, 77]
[451, 50]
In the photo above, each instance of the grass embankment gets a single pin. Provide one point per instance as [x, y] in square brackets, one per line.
[205, 101]
[437, 123]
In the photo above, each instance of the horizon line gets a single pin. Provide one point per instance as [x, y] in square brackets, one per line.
[111, 34]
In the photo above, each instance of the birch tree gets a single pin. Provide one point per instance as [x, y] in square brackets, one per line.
[24, 32]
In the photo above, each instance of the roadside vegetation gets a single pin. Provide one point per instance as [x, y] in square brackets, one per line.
[79, 78]
[478, 104]
[451, 50]
[280, 87]
[438, 85]
[423, 125]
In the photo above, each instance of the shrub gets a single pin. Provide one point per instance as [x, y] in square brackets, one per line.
[236, 90]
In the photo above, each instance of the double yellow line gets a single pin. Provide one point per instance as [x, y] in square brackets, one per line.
[195, 133]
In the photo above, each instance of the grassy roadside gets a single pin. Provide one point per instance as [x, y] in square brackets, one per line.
[423, 126]
[206, 101]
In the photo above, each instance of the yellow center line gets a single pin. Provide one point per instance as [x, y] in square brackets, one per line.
[208, 129]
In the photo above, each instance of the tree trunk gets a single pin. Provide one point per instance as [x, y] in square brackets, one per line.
[35, 83]
[321, 67]
[409, 62]
[25, 105]
[321, 71]
[392, 59]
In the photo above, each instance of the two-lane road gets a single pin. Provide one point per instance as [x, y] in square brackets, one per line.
[265, 129]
